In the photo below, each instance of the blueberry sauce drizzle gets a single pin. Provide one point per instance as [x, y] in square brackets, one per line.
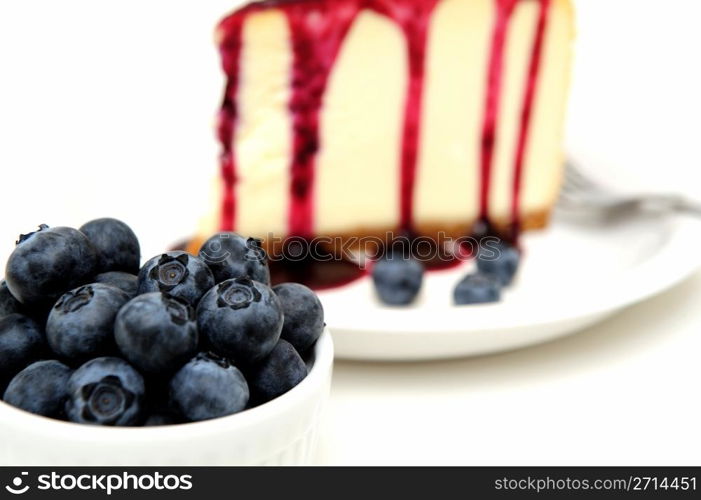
[495, 73]
[526, 113]
[318, 28]
[316, 274]
[230, 49]
[414, 19]
[317, 34]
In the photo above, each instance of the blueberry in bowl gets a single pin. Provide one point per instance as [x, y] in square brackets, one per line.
[8, 304]
[116, 245]
[47, 263]
[242, 319]
[105, 391]
[230, 255]
[156, 332]
[279, 372]
[209, 386]
[126, 282]
[41, 388]
[177, 273]
[303, 315]
[81, 323]
[21, 342]
[194, 372]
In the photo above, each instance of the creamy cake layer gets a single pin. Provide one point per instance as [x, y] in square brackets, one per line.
[358, 169]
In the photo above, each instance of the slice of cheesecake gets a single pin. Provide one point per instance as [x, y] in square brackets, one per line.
[359, 117]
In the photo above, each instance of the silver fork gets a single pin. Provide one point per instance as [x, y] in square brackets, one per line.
[583, 199]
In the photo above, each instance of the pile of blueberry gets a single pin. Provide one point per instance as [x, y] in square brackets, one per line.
[87, 335]
[398, 279]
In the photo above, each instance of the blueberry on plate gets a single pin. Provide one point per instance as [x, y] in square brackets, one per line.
[128, 283]
[230, 255]
[8, 304]
[282, 370]
[500, 260]
[49, 262]
[397, 279]
[208, 387]
[81, 323]
[176, 273]
[477, 288]
[41, 388]
[21, 343]
[242, 319]
[105, 391]
[116, 244]
[304, 315]
[156, 332]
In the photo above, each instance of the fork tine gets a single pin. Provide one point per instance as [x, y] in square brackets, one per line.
[574, 177]
[584, 199]
[576, 187]
[568, 186]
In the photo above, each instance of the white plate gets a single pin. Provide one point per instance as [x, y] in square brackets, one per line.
[571, 277]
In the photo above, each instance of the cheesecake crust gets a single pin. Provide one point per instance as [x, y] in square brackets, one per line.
[353, 240]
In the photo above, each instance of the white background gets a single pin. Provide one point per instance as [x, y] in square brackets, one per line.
[106, 109]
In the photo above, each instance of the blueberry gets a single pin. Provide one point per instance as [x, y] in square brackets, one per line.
[156, 332]
[105, 391]
[163, 418]
[126, 282]
[304, 315]
[282, 370]
[477, 289]
[397, 280]
[242, 319]
[176, 273]
[81, 324]
[116, 244]
[21, 343]
[49, 262]
[41, 388]
[501, 260]
[8, 304]
[230, 255]
[208, 387]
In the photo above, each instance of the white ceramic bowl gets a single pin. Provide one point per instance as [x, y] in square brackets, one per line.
[281, 432]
